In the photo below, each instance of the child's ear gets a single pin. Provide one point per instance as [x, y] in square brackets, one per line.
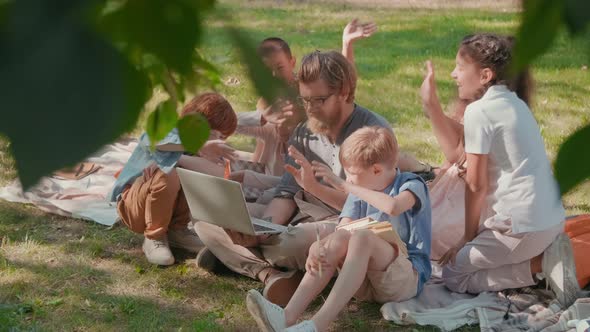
[293, 61]
[377, 169]
[486, 75]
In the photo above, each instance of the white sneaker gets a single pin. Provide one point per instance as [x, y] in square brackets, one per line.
[559, 269]
[157, 251]
[185, 238]
[305, 326]
[269, 316]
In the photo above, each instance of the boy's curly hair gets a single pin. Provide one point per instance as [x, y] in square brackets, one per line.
[216, 109]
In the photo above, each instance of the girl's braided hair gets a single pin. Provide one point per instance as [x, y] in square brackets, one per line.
[495, 52]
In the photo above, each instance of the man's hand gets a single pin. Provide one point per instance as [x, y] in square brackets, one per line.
[428, 89]
[355, 30]
[322, 171]
[304, 175]
[217, 150]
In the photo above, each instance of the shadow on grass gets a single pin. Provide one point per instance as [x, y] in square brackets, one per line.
[47, 293]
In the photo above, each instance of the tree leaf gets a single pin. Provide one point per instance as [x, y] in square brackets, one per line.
[207, 69]
[267, 86]
[193, 130]
[169, 29]
[577, 15]
[161, 121]
[541, 20]
[573, 158]
[65, 91]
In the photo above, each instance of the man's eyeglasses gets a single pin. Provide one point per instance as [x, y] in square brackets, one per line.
[316, 101]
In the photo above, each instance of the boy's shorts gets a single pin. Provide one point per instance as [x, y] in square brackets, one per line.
[399, 282]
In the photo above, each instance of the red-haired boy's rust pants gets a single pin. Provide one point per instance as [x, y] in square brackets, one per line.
[152, 204]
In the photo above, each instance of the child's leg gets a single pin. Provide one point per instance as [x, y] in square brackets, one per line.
[365, 251]
[148, 205]
[495, 261]
[289, 249]
[311, 285]
[181, 215]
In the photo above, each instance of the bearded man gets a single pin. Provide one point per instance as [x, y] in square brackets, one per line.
[327, 83]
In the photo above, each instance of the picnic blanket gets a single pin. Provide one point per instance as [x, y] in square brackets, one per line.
[84, 198]
[525, 309]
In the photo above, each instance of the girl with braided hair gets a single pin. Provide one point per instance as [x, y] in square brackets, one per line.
[514, 217]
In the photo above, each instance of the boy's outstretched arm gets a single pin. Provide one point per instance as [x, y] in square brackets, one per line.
[393, 206]
[353, 31]
[383, 202]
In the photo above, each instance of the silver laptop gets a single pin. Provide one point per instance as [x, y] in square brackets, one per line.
[221, 202]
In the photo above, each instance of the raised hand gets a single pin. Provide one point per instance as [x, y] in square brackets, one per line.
[355, 30]
[277, 113]
[428, 90]
[304, 175]
[217, 150]
[325, 173]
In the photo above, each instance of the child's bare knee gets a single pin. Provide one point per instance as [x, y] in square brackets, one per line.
[362, 237]
[337, 246]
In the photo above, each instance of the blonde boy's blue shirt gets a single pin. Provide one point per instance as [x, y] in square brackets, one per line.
[142, 157]
[413, 226]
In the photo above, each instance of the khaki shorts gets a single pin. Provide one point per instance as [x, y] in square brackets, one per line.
[399, 282]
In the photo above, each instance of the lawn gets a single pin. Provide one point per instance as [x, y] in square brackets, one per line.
[60, 273]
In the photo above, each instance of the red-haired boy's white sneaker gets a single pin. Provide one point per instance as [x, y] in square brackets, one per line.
[158, 251]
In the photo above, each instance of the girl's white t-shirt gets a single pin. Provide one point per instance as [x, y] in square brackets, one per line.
[522, 192]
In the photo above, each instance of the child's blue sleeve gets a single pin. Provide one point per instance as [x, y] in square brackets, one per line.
[420, 191]
[351, 208]
[166, 160]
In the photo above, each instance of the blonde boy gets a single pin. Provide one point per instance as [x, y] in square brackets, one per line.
[371, 269]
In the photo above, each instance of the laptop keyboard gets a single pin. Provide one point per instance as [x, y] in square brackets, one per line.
[260, 228]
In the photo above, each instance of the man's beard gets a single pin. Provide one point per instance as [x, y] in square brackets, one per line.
[317, 126]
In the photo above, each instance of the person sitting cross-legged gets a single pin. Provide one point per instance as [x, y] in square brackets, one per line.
[370, 268]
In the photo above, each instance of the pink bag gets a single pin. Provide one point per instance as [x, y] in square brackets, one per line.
[447, 197]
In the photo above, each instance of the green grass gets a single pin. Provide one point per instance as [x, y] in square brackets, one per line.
[60, 273]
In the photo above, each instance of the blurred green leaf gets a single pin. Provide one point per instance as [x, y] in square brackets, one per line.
[541, 20]
[207, 69]
[169, 29]
[573, 158]
[267, 86]
[161, 121]
[193, 130]
[65, 91]
[577, 15]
